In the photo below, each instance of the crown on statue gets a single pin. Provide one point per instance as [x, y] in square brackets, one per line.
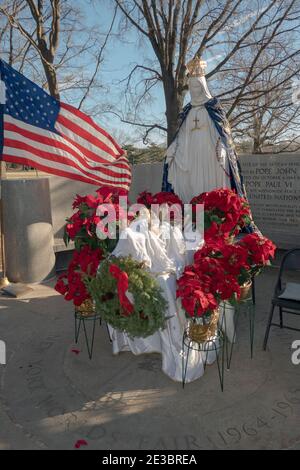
[196, 67]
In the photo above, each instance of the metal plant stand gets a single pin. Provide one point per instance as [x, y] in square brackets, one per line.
[216, 344]
[248, 308]
[82, 319]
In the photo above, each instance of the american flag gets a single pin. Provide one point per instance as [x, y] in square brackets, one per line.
[52, 136]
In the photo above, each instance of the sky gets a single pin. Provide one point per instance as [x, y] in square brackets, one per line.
[120, 57]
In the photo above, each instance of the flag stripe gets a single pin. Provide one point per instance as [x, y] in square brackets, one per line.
[47, 169]
[29, 149]
[15, 133]
[93, 129]
[84, 118]
[85, 140]
[28, 158]
[84, 146]
[43, 135]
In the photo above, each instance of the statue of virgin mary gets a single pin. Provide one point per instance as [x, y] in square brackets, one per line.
[202, 155]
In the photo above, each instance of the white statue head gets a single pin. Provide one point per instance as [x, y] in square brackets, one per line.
[199, 90]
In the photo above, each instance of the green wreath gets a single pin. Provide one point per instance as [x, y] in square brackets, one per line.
[148, 307]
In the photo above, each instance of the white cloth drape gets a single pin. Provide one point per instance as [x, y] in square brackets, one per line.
[165, 258]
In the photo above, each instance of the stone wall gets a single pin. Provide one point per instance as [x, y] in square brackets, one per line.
[272, 182]
[273, 188]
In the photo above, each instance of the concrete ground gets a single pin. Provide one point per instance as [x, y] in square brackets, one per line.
[50, 397]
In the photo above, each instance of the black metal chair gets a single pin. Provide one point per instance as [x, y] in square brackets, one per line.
[290, 262]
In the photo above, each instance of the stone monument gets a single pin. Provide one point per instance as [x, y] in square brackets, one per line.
[273, 188]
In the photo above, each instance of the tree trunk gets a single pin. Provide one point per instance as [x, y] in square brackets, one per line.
[174, 103]
[49, 69]
[51, 80]
[256, 148]
[257, 144]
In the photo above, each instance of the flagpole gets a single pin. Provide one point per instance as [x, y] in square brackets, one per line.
[3, 279]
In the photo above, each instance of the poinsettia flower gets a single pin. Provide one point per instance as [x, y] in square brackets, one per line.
[111, 194]
[234, 259]
[145, 198]
[74, 225]
[189, 304]
[260, 249]
[225, 213]
[78, 201]
[168, 198]
[228, 287]
[60, 286]
[71, 285]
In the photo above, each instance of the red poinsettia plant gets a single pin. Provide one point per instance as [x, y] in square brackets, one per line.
[84, 263]
[243, 259]
[145, 198]
[204, 285]
[259, 251]
[225, 213]
[195, 293]
[82, 226]
[163, 198]
[220, 270]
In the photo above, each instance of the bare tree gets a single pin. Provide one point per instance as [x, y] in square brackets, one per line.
[270, 121]
[44, 39]
[261, 102]
[224, 30]
[53, 33]
[9, 43]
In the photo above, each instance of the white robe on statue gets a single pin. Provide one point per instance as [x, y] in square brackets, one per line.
[197, 158]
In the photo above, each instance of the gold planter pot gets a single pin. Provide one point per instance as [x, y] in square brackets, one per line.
[86, 309]
[203, 332]
[245, 291]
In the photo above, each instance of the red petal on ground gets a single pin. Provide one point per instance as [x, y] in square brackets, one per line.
[79, 443]
[75, 351]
